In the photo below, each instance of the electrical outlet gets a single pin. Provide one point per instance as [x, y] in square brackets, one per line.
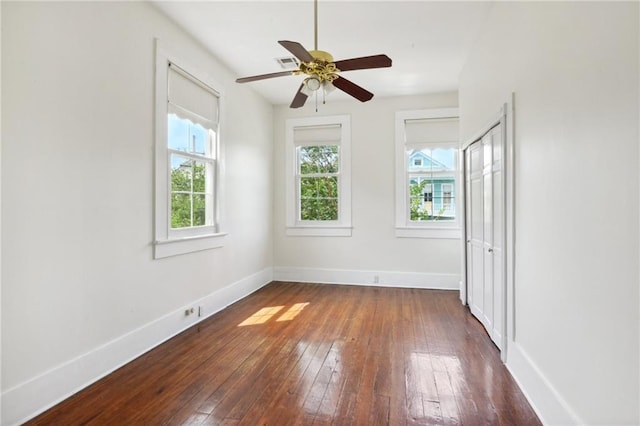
[189, 311]
[376, 279]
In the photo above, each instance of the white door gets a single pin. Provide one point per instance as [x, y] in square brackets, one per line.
[475, 214]
[484, 204]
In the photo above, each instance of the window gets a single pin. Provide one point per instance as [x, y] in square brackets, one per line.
[187, 159]
[427, 151]
[318, 176]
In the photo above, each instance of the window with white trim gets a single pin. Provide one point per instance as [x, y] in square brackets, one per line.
[187, 159]
[427, 173]
[318, 176]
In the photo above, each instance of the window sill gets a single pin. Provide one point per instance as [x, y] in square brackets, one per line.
[431, 232]
[175, 247]
[319, 231]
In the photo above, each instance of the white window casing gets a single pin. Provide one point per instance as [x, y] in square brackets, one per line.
[189, 94]
[318, 131]
[423, 130]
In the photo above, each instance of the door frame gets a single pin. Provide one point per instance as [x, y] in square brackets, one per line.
[504, 117]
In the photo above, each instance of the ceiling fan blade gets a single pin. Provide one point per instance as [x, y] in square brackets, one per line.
[297, 49]
[299, 99]
[263, 76]
[352, 89]
[366, 62]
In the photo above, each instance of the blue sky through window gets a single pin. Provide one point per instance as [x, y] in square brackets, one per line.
[186, 136]
[443, 156]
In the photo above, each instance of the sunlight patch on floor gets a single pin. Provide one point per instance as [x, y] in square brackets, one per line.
[292, 312]
[265, 314]
[262, 316]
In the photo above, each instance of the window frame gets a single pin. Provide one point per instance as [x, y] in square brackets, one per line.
[294, 225]
[175, 241]
[404, 227]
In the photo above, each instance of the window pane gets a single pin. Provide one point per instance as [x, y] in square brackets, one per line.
[431, 198]
[199, 210]
[178, 133]
[308, 209]
[180, 210]
[319, 198]
[318, 159]
[184, 135]
[431, 183]
[199, 176]
[308, 188]
[199, 139]
[427, 159]
[181, 173]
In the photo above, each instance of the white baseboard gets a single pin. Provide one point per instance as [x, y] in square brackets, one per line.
[369, 278]
[36, 395]
[546, 401]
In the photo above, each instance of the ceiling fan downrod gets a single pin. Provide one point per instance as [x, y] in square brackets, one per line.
[315, 24]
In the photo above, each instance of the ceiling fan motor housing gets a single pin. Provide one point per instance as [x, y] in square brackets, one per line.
[322, 66]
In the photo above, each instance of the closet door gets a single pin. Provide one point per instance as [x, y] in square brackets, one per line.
[484, 206]
[487, 232]
[475, 235]
[496, 255]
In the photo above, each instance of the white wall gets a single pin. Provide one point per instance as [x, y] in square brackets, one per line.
[373, 247]
[78, 278]
[574, 70]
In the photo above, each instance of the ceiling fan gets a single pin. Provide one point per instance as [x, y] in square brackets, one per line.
[322, 71]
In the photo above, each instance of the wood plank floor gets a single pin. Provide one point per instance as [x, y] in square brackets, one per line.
[312, 354]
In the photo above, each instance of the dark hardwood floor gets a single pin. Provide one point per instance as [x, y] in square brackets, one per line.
[314, 354]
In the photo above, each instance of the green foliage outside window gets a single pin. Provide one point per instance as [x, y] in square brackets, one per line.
[188, 198]
[319, 166]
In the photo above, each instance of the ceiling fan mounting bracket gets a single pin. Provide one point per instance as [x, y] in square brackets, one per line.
[321, 56]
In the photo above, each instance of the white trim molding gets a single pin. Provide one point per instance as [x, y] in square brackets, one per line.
[545, 400]
[368, 278]
[38, 394]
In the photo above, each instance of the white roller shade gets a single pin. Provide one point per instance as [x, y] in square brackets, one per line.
[190, 95]
[433, 130]
[317, 135]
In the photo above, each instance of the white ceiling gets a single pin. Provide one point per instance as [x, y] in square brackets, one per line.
[428, 41]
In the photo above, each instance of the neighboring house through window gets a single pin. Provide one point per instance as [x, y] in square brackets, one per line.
[318, 176]
[427, 156]
[187, 159]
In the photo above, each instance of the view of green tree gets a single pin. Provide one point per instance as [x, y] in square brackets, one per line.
[318, 188]
[188, 199]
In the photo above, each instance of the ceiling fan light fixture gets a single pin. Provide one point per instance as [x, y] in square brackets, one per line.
[312, 83]
[328, 87]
